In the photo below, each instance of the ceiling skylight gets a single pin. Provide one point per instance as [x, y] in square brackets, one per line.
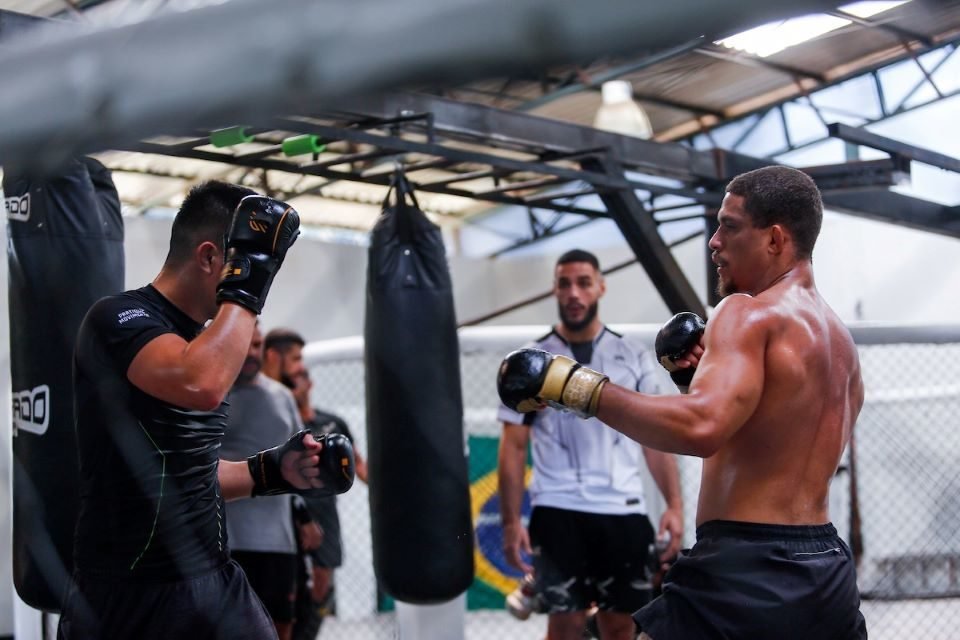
[771, 38]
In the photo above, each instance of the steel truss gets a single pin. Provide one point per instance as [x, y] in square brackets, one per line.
[512, 158]
[779, 124]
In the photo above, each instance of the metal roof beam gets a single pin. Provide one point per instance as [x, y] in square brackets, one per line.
[750, 60]
[900, 32]
[896, 208]
[541, 134]
[381, 179]
[860, 174]
[640, 231]
[875, 204]
[857, 135]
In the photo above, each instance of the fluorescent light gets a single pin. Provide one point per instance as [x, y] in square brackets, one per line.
[870, 7]
[771, 38]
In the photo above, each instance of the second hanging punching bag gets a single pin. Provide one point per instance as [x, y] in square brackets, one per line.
[419, 488]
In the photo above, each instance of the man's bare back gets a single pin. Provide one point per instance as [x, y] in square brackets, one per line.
[777, 468]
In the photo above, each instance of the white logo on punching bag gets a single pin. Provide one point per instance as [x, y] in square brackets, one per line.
[31, 410]
[18, 207]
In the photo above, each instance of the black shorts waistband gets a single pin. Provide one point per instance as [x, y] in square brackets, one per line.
[763, 531]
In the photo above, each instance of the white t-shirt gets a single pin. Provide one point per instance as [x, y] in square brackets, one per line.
[584, 465]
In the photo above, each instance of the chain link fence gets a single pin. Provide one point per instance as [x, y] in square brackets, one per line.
[896, 497]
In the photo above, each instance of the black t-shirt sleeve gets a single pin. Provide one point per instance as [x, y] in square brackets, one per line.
[344, 429]
[123, 326]
[323, 421]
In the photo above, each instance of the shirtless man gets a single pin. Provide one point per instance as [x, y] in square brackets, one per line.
[770, 408]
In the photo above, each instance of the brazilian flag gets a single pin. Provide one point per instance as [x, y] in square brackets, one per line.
[494, 578]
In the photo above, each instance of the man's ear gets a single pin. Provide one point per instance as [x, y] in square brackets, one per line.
[269, 356]
[206, 255]
[778, 240]
[271, 362]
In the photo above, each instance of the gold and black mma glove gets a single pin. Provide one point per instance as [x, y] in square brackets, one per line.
[676, 338]
[256, 243]
[529, 378]
[336, 465]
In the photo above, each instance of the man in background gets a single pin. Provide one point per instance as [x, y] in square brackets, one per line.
[283, 361]
[261, 533]
[589, 532]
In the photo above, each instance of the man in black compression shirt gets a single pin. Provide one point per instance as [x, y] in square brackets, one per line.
[151, 556]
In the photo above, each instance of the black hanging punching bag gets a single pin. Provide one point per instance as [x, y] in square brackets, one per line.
[419, 488]
[65, 251]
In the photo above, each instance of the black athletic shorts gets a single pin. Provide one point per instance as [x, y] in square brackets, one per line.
[758, 581]
[273, 577]
[585, 559]
[219, 605]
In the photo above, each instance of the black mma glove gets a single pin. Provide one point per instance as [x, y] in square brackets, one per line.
[336, 467]
[679, 335]
[531, 377]
[258, 238]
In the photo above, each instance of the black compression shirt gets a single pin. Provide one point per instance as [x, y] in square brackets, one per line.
[150, 504]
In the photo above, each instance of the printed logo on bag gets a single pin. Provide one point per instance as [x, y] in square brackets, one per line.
[18, 207]
[31, 410]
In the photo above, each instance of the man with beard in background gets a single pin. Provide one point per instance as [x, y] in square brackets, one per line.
[589, 532]
[262, 542]
[283, 361]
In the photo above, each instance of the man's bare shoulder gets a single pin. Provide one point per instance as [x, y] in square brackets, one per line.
[740, 311]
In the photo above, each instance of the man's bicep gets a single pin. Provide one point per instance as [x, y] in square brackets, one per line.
[157, 368]
[730, 374]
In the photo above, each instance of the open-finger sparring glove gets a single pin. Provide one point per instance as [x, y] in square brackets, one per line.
[336, 465]
[676, 338]
[256, 242]
[529, 378]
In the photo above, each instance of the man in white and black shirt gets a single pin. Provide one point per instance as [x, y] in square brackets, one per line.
[589, 532]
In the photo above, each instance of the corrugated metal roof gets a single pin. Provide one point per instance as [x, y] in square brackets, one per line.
[698, 87]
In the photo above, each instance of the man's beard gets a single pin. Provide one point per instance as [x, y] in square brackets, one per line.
[575, 326]
[725, 288]
[287, 381]
[246, 377]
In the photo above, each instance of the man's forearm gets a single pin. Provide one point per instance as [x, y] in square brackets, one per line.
[510, 471]
[235, 480]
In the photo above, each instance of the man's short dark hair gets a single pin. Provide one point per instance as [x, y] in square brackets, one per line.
[784, 196]
[579, 255]
[281, 340]
[204, 216]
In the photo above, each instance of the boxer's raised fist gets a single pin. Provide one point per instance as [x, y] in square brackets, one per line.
[676, 338]
[256, 243]
[530, 378]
